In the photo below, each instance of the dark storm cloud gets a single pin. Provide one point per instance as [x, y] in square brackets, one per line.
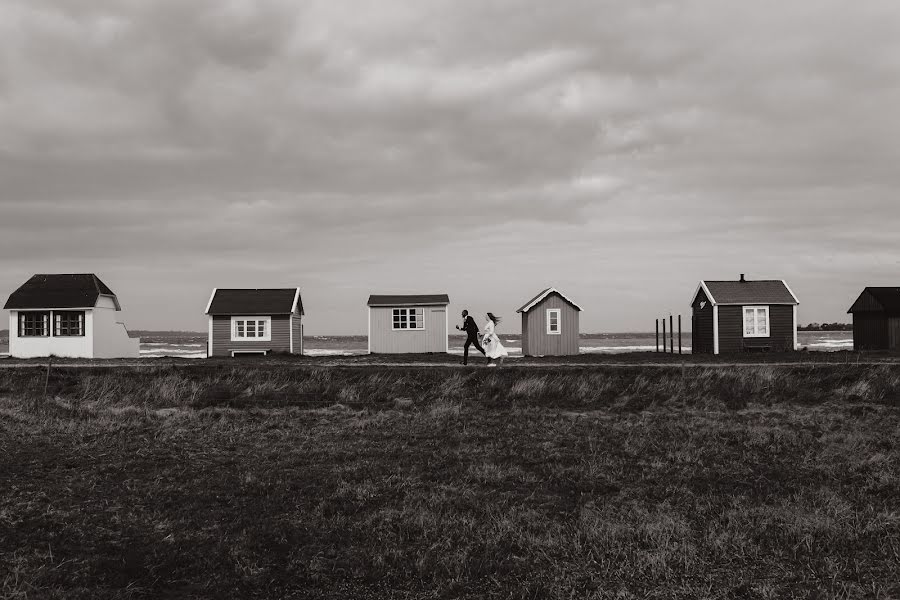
[485, 149]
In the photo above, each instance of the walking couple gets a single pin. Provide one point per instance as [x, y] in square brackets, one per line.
[490, 344]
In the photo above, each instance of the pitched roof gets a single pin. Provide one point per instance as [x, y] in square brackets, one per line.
[407, 300]
[887, 297]
[772, 291]
[79, 290]
[276, 301]
[540, 297]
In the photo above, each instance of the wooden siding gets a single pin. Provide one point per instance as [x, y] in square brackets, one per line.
[875, 331]
[702, 341]
[222, 344]
[731, 330]
[525, 335]
[893, 333]
[535, 339]
[297, 326]
[866, 303]
[385, 340]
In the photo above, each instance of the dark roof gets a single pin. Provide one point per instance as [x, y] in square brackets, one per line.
[59, 291]
[254, 302]
[774, 291]
[540, 297]
[887, 297]
[404, 300]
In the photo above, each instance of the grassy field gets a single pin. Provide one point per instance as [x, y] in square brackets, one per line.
[261, 480]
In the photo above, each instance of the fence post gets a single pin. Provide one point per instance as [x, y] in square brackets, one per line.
[657, 336]
[664, 334]
[679, 334]
[671, 336]
[47, 376]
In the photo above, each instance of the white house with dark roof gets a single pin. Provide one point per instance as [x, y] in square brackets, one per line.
[67, 315]
[744, 315]
[255, 321]
[408, 324]
[550, 325]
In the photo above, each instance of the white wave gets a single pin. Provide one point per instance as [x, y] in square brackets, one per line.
[832, 345]
[622, 349]
[172, 345]
[331, 352]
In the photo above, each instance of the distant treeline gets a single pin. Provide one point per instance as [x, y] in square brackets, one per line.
[826, 327]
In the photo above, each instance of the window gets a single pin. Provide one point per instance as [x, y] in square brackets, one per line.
[68, 324]
[553, 321]
[251, 329]
[408, 318]
[34, 324]
[756, 321]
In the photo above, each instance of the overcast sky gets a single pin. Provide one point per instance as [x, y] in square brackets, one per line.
[619, 151]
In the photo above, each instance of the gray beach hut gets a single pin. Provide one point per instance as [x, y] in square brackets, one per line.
[408, 324]
[550, 325]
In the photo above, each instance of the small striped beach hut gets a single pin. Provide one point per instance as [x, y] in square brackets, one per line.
[550, 325]
[408, 324]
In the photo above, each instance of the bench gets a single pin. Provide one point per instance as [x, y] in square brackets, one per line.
[761, 348]
[236, 351]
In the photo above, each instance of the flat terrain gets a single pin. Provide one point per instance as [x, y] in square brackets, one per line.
[285, 478]
[455, 361]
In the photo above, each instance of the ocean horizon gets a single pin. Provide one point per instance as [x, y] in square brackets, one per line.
[187, 344]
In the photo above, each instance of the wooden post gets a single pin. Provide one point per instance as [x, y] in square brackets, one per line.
[679, 334]
[664, 334]
[671, 335]
[657, 336]
[47, 376]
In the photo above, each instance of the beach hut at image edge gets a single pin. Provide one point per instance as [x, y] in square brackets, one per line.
[550, 325]
[255, 321]
[743, 315]
[408, 324]
[67, 315]
[876, 319]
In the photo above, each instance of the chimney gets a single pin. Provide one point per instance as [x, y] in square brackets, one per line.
[742, 278]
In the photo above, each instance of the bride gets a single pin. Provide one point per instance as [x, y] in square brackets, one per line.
[491, 343]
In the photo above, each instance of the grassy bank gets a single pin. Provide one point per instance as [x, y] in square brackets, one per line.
[267, 385]
[187, 482]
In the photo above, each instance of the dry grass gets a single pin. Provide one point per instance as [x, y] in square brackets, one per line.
[763, 482]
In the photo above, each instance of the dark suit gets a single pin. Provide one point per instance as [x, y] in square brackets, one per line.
[471, 330]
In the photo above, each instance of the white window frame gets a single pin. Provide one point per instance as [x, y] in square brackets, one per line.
[558, 312]
[418, 310]
[256, 321]
[756, 333]
[46, 324]
[56, 322]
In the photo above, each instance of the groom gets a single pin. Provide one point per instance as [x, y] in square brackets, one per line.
[471, 330]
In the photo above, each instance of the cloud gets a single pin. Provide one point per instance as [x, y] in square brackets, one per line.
[486, 149]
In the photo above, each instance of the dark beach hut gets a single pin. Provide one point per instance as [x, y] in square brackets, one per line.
[743, 315]
[550, 325]
[876, 319]
[255, 321]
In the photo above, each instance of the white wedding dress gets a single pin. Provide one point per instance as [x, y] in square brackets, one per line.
[491, 343]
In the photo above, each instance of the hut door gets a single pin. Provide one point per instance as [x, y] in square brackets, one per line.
[436, 330]
[894, 333]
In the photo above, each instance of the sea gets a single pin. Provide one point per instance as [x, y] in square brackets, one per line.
[193, 345]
